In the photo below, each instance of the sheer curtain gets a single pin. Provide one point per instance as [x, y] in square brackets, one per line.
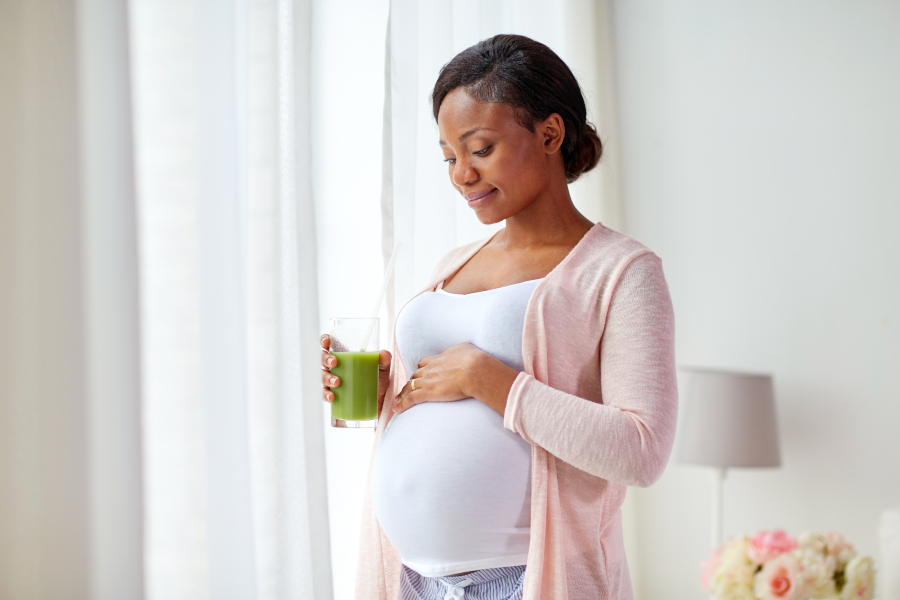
[236, 505]
[161, 424]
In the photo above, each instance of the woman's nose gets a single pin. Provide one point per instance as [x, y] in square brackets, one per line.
[464, 173]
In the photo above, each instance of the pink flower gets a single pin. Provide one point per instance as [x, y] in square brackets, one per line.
[766, 545]
[780, 579]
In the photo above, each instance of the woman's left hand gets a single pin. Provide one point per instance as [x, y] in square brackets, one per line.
[459, 372]
[444, 377]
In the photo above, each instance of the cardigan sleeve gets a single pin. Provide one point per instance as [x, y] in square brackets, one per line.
[628, 437]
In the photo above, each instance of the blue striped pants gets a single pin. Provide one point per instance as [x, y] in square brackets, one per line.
[504, 583]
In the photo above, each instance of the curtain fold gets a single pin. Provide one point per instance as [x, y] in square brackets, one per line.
[315, 526]
[161, 429]
[112, 301]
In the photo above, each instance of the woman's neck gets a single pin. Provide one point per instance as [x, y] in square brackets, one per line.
[548, 221]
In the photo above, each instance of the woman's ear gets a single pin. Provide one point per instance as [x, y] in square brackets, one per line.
[553, 132]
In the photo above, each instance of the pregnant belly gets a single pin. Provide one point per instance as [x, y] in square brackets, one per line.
[451, 488]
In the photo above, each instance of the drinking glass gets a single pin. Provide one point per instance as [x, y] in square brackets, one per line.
[355, 401]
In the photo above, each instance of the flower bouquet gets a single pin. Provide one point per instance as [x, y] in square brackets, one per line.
[774, 566]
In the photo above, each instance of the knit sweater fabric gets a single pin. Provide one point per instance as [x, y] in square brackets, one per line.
[597, 401]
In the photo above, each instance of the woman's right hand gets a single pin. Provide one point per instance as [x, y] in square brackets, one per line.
[330, 381]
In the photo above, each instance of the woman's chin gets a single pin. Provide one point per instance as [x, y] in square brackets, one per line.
[489, 219]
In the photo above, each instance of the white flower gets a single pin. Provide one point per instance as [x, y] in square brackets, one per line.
[859, 578]
[735, 591]
[813, 541]
[733, 579]
[816, 572]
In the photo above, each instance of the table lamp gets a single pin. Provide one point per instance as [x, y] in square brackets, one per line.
[728, 421]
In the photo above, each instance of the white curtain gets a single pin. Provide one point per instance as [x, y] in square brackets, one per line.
[161, 422]
[236, 505]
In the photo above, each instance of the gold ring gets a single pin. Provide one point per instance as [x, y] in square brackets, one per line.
[412, 383]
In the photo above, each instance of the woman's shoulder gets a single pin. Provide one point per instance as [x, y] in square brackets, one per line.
[606, 249]
[607, 261]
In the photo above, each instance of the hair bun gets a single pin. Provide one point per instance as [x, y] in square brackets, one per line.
[586, 155]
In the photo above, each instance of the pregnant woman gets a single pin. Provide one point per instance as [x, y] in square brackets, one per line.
[532, 378]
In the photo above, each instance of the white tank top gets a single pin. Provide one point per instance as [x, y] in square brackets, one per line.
[451, 487]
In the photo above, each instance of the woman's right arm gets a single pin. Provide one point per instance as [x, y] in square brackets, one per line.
[628, 438]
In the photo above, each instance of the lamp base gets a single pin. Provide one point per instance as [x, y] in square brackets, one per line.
[718, 480]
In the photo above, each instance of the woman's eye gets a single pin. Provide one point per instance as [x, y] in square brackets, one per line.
[452, 161]
[482, 152]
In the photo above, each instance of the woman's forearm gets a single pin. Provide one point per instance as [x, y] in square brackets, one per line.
[489, 380]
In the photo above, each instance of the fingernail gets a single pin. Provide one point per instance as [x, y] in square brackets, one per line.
[333, 380]
[332, 362]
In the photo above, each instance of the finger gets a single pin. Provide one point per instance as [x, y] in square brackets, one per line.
[409, 396]
[329, 380]
[427, 359]
[325, 340]
[409, 400]
[327, 394]
[399, 397]
[384, 360]
[328, 360]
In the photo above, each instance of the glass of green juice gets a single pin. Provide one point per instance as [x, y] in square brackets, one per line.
[354, 343]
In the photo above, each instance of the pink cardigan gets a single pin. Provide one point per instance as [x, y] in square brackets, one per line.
[597, 402]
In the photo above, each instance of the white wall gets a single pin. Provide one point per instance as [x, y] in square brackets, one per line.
[760, 152]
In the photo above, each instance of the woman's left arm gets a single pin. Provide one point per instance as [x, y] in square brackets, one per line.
[629, 437]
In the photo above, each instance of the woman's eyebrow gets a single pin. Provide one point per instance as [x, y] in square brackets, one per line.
[463, 137]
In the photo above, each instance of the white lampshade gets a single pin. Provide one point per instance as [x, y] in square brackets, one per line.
[728, 420]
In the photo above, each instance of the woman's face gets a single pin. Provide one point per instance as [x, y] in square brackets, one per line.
[497, 165]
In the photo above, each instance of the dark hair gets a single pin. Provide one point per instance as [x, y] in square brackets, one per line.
[526, 74]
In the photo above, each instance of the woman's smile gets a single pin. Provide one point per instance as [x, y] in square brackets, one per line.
[476, 199]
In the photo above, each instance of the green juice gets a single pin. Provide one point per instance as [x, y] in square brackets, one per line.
[356, 398]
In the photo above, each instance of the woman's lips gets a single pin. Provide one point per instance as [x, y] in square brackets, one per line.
[476, 199]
